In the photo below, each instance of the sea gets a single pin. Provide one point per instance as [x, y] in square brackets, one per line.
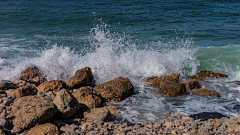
[129, 38]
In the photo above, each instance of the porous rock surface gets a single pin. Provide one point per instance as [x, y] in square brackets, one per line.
[33, 75]
[205, 92]
[82, 77]
[170, 88]
[155, 81]
[191, 84]
[27, 111]
[116, 90]
[54, 85]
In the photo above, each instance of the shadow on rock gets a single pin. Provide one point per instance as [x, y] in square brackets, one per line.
[206, 115]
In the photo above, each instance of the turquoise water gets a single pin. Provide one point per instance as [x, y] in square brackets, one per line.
[135, 39]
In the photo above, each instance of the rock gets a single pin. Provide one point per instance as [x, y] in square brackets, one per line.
[156, 81]
[66, 103]
[41, 94]
[112, 110]
[44, 129]
[50, 94]
[28, 111]
[16, 94]
[86, 96]
[33, 75]
[98, 114]
[207, 115]
[4, 122]
[2, 132]
[205, 92]
[20, 82]
[52, 85]
[236, 129]
[82, 77]
[191, 84]
[169, 124]
[86, 126]
[170, 88]
[216, 123]
[6, 84]
[116, 90]
[205, 74]
[23, 91]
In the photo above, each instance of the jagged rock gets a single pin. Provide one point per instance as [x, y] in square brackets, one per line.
[52, 85]
[156, 81]
[6, 84]
[98, 114]
[170, 88]
[33, 75]
[20, 82]
[86, 96]
[28, 111]
[205, 74]
[116, 90]
[191, 84]
[82, 77]
[205, 92]
[44, 129]
[66, 103]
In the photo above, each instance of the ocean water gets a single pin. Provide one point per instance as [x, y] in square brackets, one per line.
[134, 39]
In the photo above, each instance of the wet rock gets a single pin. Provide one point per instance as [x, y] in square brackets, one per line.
[116, 90]
[44, 129]
[86, 96]
[20, 82]
[6, 84]
[28, 111]
[53, 85]
[66, 103]
[82, 77]
[207, 115]
[4, 122]
[156, 81]
[33, 75]
[191, 84]
[205, 74]
[98, 114]
[170, 88]
[205, 92]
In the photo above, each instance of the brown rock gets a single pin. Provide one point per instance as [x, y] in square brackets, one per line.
[170, 88]
[28, 90]
[86, 96]
[205, 92]
[30, 110]
[52, 85]
[191, 84]
[66, 103]
[16, 94]
[44, 129]
[216, 123]
[205, 74]
[116, 90]
[20, 82]
[33, 75]
[236, 129]
[82, 77]
[98, 114]
[2, 132]
[112, 110]
[173, 77]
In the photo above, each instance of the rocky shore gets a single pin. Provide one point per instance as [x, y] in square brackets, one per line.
[31, 105]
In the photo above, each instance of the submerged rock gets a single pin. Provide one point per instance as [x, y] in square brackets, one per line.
[116, 90]
[86, 96]
[170, 88]
[33, 75]
[52, 85]
[205, 92]
[205, 74]
[82, 77]
[191, 84]
[27, 111]
[157, 80]
[6, 84]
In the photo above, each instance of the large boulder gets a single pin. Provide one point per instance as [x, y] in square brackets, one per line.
[6, 84]
[66, 104]
[205, 92]
[53, 85]
[191, 84]
[86, 96]
[206, 74]
[116, 90]
[82, 77]
[44, 129]
[170, 88]
[98, 114]
[33, 75]
[157, 80]
[27, 111]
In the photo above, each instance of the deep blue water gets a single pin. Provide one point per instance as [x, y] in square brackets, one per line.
[135, 39]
